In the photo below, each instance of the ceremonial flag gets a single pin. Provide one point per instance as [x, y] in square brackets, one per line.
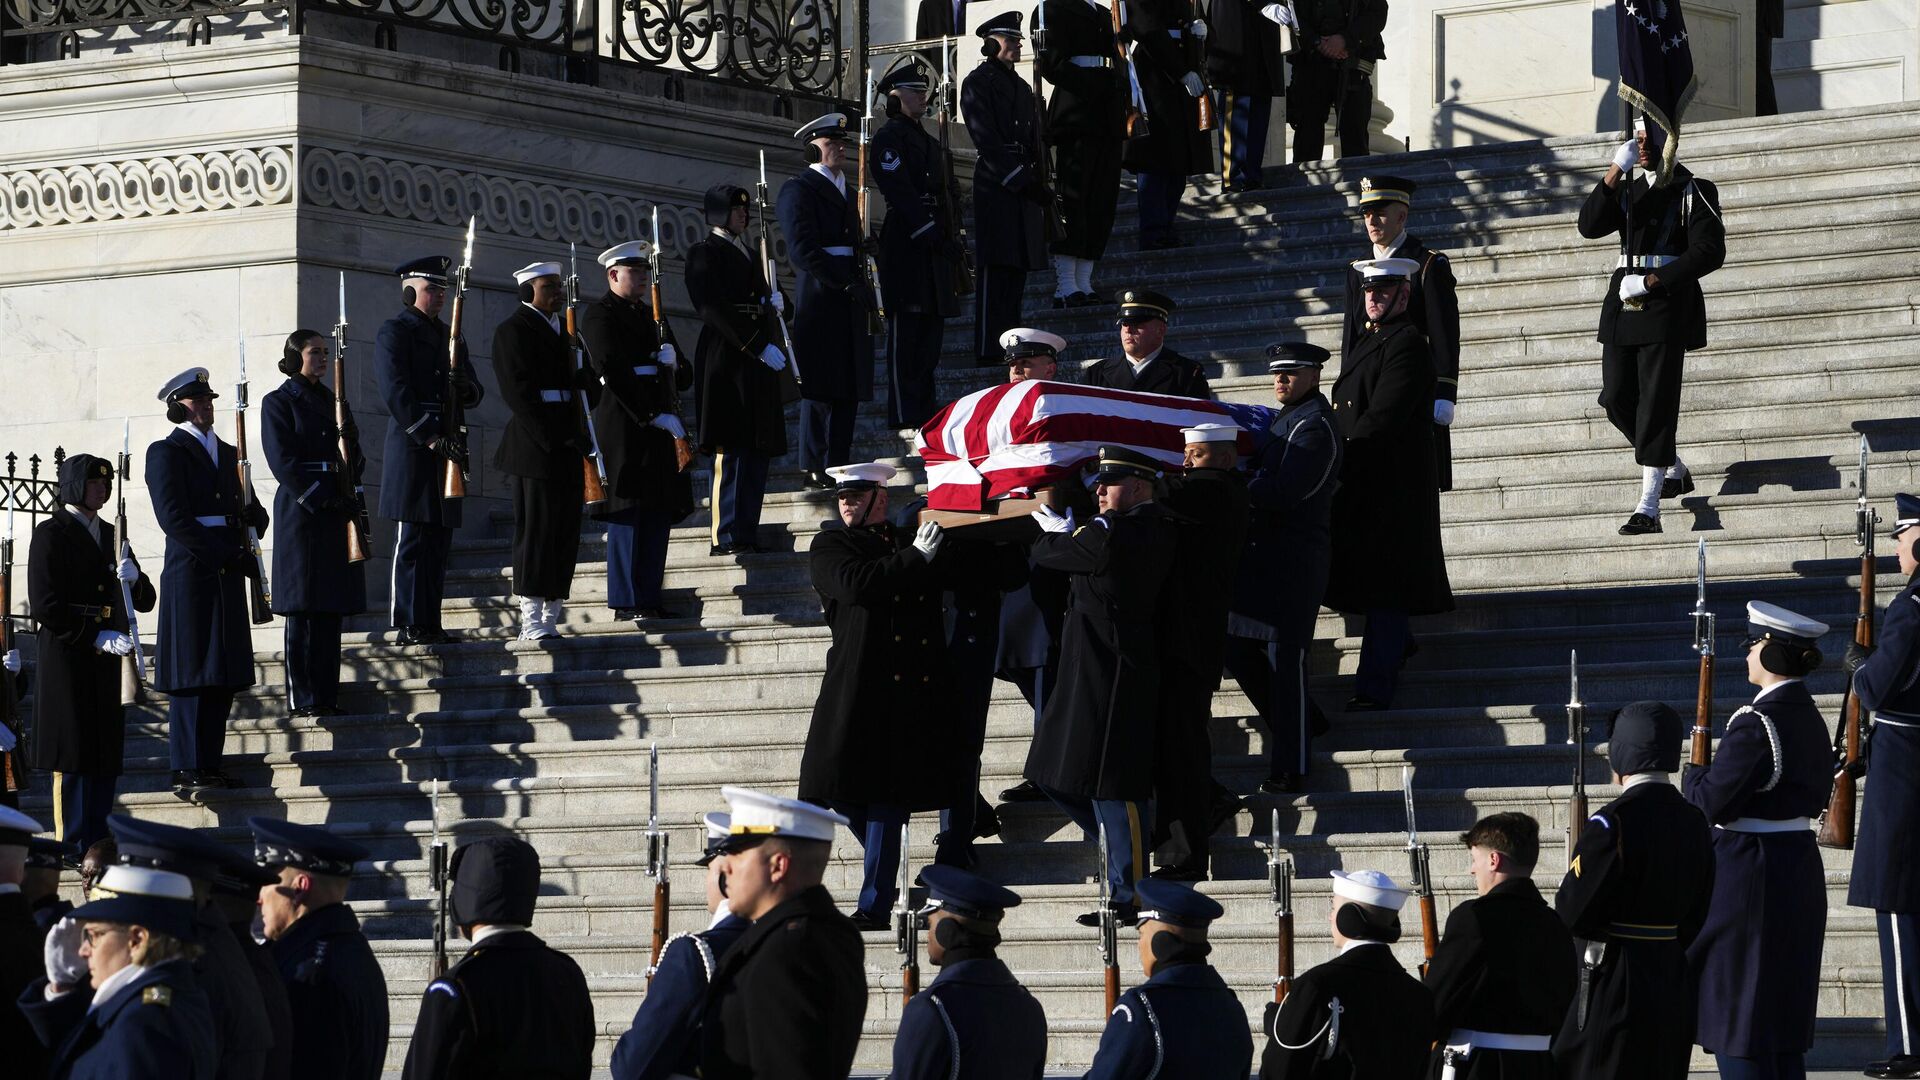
[1015, 437]
[1656, 74]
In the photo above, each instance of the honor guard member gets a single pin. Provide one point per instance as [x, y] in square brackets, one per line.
[1388, 563]
[1247, 70]
[1886, 851]
[1503, 975]
[920, 259]
[235, 893]
[1282, 572]
[820, 217]
[46, 858]
[638, 421]
[1094, 749]
[1184, 1020]
[880, 590]
[542, 447]
[664, 1040]
[1757, 959]
[1433, 309]
[334, 984]
[975, 1022]
[1211, 493]
[1671, 236]
[979, 573]
[1359, 1014]
[205, 653]
[119, 1000]
[788, 1000]
[242, 1035]
[75, 566]
[1337, 43]
[1170, 66]
[1010, 203]
[513, 1006]
[737, 370]
[1146, 365]
[410, 357]
[20, 943]
[1086, 125]
[1635, 896]
[314, 583]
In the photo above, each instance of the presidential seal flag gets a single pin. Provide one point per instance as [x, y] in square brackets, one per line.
[1656, 74]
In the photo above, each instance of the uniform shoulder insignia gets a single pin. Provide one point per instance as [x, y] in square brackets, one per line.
[890, 160]
[1576, 866]
[157, 995]
[444, 986]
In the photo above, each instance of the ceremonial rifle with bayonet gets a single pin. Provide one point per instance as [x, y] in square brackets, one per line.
[870, 270]
[682, 446]
[1576, 738]
[12, 775]
[593, 465]
[260, 593]
[1194, 45]
[949, 183]
[771, 269]
[1055, 222]
[1136, 101]
[453, 409]
[1109, 928]
[1701, 751]
[437, 880]
[1420, 871]
[359, 526]
[657, 861]
[135, 662]
[1280, 890]
[906, 928]
[1849, 738]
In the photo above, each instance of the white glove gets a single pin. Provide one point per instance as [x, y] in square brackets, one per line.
[1051, 520]
[113, 641]
[1197, 29]
[927, 540]
[8, 740]
[774, 358]
[1278, 13]
[1633, 286]
[1627, 156]
[667, 357]
[128, 572]
[66, 968]
[670, 424]
[1442, 412]
[1193, 84]
[12, 661]
[779, 302]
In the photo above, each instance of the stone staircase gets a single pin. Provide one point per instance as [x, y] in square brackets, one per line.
[1813, 327]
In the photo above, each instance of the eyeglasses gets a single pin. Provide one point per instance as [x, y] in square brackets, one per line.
[93, 936]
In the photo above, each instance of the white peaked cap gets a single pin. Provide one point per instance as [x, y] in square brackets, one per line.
[1369, 887]
[632, 249]
[756, 813]
[536, 270]
[1762, 616]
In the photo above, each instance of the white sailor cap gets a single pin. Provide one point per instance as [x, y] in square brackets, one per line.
[1210, 432]
[1370, 887]
[756, 813]
[1385, 271]
[123, 880]
[1027, 341]
[631, 253]
[831, 126]
[536, 270]
[862, 477]
[16, 828]
[188, 384]
[719, 827]
[1766, 620]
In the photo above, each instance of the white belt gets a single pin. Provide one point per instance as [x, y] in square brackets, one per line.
[1764, 825]
[555, 397]
[840, 249]
[646, 369]
[1090, 61]
[1645, 262]
[1883, 718]
[1498, 1040]
[217, 521]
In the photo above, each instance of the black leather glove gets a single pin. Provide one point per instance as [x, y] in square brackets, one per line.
[954, 250]
[870, 246]
[255, 515]
[466, 388]
[451, 448]
[1857, 654]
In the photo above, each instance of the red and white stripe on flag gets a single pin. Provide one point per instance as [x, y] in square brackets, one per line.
[1012, 438]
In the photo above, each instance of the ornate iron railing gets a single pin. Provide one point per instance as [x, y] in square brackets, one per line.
[29, 494]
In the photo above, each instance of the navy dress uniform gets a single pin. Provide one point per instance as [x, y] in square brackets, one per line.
[155, 1025]
[1184, 1022]
[979, 574]
[205, 653]
[1163, 371]
[1248, 71]
[1502, 979]
[1388, 562]
[1359, 1014]
[334, 985]
[314, 584]
[1886, 851]
[20, 952]
[1635, 897]
[236, 884]
[664, 1039]
[1167, 63]
[919, 257]
[1321, 83]
[736, 371]
[1010, 203]
[1282, 573]
[638, 421]
[1086, 125]
[513, 1006]
[78, 725]
[820, 217]
[974, 1021]
[1434, 310]
[1757, 959]
[410, 354]
[1670, 237]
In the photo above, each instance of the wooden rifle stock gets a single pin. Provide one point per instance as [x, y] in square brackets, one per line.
[1836, 825]
[1700, 752]
[593, 488]
[1136, 118]
[869, 270]
[1113, 986]
[1284, 933]
[1429, 928]
[359, 529]
[257, 602]
[662, 907]
[1196, 49]
[11, 776]
[454, 485]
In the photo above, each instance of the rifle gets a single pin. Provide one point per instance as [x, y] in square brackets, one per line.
[359, 526]
[453, 413]
[1576, 738]
[772, 269]
[1280, 887]
[1196, 50]
[1109, 928]
[682, 448]
[11, 777]
[260, 594]
[877, 308]
[1055, 222]
[593, 466]
[1420, 870]
[1136, 100]
[657, 860]
[136, 661]
[1701, 751]
[949, 184]
[1836, 822]
[437, 880]
[906, 929]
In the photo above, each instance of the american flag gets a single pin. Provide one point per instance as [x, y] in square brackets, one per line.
[1014, 437]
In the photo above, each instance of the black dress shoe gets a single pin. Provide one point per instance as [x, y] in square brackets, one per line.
[1284, 784]
[1179, 873]
[1673, 487]
[1222, 811]
[626, 614]
[183, 781]
[1159, 241]
[1123, 915]
[304, 712]
[724, 549]
[1904, 1066]
[1639, 525]
[1086, 299]
[329, 710]
[868, 923]
[986, 824]
[1362, 703]
[817, 481]
[1063, 301]
[655, 614]
[1024, 791]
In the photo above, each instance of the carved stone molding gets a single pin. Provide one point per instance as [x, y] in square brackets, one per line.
[147, 187]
